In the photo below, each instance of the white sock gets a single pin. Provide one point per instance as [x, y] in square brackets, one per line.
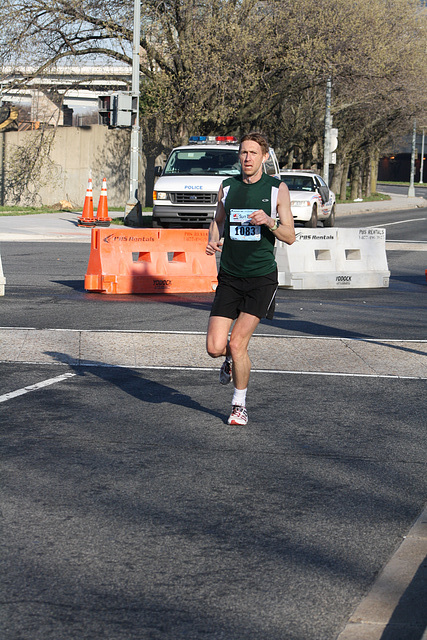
[239, 397]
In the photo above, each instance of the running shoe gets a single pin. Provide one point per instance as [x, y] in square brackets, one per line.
[238, 416]
[225, 372]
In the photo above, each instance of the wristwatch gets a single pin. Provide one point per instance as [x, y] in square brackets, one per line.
[275, 225]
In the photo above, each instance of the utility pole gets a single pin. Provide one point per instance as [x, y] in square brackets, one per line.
[411, 190]
[133, 202]
[422, 158]
[2, 154]
[327, 139]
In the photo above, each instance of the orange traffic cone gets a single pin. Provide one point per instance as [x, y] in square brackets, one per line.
[102, 217]
[87, 219]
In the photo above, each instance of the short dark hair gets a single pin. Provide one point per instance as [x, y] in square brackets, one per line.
[255, 136]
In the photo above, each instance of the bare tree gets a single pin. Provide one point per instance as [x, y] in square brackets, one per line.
[226, 66]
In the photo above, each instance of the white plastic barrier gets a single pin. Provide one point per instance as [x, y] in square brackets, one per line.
[334, 259]
[2, 279]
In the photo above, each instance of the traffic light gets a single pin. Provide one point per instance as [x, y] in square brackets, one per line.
[104, 109]
[117, 110]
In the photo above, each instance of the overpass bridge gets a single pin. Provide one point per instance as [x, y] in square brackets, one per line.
[61, 88]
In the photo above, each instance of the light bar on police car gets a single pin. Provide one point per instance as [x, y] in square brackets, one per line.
[212, 139]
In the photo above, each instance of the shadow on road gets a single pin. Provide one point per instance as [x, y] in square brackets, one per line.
[135, 384]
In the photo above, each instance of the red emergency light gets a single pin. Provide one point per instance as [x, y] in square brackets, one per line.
[225, 139]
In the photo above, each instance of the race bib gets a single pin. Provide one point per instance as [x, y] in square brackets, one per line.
[241, 227]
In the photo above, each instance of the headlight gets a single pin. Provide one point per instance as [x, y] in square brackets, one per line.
[299, 203]
[160, 195]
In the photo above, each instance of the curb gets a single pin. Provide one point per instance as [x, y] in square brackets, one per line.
[381, 205]
[396, 602]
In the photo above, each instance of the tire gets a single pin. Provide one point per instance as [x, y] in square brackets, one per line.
[330, 222]
[312, 223]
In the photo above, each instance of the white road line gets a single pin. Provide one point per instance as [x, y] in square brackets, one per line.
[147, 367]
[270, 371]
[35, 387]
[389, 224]
[409, 241]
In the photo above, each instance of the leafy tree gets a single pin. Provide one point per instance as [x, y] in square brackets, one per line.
[374, 51]
[226, 66]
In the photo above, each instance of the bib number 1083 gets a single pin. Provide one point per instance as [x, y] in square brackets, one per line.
[245, 230]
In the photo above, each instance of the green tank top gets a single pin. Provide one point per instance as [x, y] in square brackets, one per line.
[248, 250]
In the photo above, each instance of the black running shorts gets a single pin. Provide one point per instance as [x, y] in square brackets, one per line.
[255, 296]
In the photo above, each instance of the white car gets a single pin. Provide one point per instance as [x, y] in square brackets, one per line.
[311, 198]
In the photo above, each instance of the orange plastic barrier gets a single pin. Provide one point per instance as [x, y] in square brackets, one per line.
[150, 261]
[87, 219]
[102, 217]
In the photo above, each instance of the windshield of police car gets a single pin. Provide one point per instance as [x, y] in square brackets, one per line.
[216, 162]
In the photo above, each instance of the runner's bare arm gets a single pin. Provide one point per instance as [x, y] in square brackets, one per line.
[216, 228]
[286, 230]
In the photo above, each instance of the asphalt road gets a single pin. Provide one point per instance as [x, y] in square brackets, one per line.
[45, 286]
[130, 509]
[402, 190]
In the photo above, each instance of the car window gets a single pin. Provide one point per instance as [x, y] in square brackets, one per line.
[203, 161]
[269, 166]
[298, 183]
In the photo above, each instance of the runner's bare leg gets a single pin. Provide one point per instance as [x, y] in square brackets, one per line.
[217, 336]
[241, 333]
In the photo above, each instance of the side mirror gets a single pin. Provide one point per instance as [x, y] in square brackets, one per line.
[324, 194]
[158, 171]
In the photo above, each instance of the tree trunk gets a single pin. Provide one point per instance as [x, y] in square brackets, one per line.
[366, 178]
[290, 160]
[335, 183]
[355, 182]
[344, 177]
[155, 141]
[149, 180]
[375, 156]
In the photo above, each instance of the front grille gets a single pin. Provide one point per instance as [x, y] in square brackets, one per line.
[199, 217]
[193, 198]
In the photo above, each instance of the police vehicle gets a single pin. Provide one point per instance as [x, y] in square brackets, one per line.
[311, 198]
[186, 192]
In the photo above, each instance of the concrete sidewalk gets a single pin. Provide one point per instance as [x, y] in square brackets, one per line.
[63, 227]
[396, 203]
[186, 350]
[59, 227]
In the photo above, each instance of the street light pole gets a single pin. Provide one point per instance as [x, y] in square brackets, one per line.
[327, 139]
[411, 190]
[422, 158]
[133, 202]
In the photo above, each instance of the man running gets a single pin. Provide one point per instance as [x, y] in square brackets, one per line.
[253, 210]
